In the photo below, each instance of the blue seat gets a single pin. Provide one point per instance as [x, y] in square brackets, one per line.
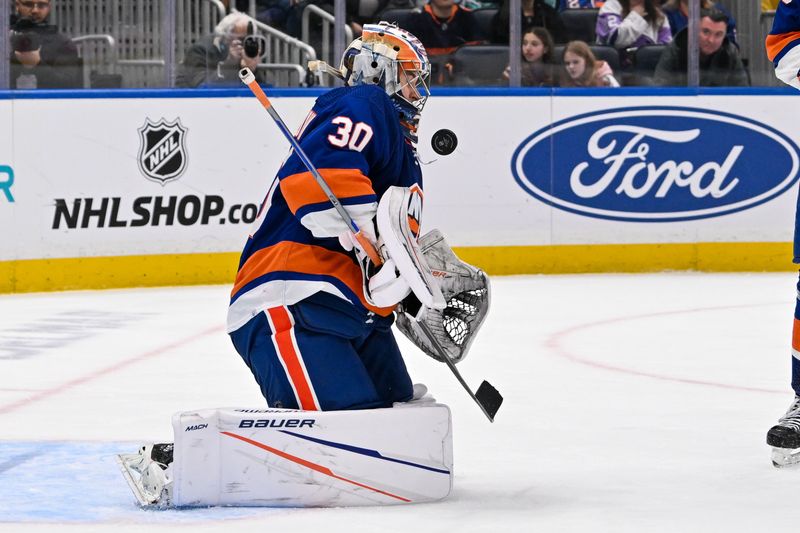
[580, 24]
[480, 65]
[483, 21]
[646, 58]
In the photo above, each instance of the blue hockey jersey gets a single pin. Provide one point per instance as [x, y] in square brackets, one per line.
[782, 42]
[354, 138]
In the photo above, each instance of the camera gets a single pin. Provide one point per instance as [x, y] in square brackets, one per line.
[253, 45]
[24, 41]
[24, 36]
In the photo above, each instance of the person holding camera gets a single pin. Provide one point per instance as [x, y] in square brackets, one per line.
[41, 57]
[215, 60]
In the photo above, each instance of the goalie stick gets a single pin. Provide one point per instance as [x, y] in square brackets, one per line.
[487, 397]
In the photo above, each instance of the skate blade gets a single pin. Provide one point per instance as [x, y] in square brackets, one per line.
[785, 457]
[145, 500]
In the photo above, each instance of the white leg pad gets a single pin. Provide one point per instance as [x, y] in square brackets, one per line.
[288, 458]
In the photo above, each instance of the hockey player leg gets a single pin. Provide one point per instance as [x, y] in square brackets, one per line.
[283, 457]
[384, 363]
[784, 437]
[302, 356]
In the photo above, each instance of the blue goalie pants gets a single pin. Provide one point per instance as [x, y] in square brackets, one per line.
[323, 354]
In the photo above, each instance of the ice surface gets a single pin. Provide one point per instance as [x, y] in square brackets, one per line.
[632, 403]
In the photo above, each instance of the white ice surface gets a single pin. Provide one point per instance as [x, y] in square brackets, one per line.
[632, 404]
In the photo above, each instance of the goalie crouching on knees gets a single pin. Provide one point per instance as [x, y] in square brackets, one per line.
[311, 315]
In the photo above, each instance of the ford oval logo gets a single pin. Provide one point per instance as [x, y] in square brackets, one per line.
[656, 164]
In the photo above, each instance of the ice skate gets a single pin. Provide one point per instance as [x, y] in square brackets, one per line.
[784, 437]
[149, 474]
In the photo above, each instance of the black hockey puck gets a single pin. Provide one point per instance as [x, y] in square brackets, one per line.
[444, 142]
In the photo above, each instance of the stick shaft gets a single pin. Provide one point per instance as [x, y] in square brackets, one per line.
[452, 366]
[249, 79]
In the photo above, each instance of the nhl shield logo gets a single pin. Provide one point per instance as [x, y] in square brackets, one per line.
[162, 150]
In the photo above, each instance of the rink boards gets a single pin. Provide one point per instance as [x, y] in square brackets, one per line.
[112, 189]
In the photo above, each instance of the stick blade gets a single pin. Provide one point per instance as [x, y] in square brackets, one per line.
[489, 398]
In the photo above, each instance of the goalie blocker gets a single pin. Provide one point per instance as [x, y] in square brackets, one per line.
[450, 298]
[288, 458]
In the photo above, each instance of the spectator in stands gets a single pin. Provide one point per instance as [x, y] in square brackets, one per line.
[215, 60]
[534, 13]
[627, 24]
[536, 68]
[480, 4]
[582, 69]
[579, 4]
[677, 12]
[720, 64]
[41, 57]
[360, 12]
[443, 26]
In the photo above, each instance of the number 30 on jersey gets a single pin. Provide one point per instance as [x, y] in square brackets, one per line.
[356, 137]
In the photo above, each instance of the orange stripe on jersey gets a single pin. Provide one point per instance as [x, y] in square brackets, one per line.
[291, 359]
[280, 319]
[305, 259]
[796, 335]
[776, 43]
[413, 225]
[302, 189]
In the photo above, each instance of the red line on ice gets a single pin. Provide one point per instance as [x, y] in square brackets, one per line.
[97, 374]
[554, 341]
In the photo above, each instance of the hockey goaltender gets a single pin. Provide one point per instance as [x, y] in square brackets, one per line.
[335, 258]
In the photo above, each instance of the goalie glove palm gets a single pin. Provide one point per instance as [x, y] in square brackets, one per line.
[466, 291]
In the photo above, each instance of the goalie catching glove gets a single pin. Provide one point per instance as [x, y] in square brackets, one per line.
[466, 291]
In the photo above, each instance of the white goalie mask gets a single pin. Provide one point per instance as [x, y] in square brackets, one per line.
[395, 60]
